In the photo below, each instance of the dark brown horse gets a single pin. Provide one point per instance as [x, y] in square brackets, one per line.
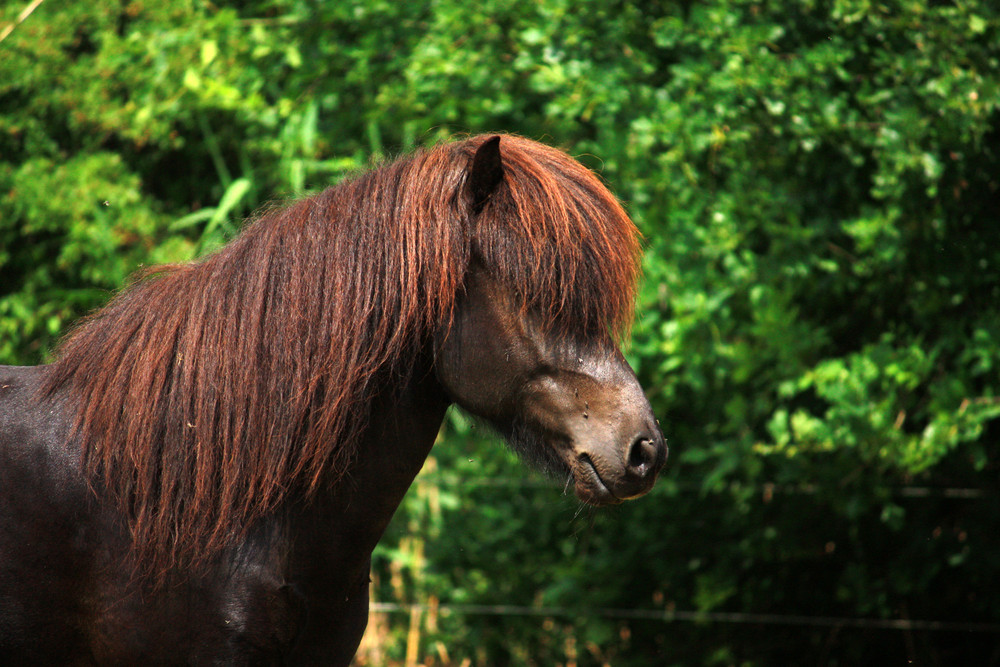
[202, 475]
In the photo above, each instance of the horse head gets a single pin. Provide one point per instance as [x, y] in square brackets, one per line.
[566, 405]
[564, 399]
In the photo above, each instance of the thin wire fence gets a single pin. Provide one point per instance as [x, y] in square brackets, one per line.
[420, 616]
[672, 616]
[767, 488]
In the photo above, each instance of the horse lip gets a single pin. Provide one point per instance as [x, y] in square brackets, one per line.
[589, 487]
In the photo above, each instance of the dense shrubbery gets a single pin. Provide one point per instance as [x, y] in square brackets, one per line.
[818, 329]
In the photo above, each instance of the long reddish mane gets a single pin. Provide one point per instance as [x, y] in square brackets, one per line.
[211, 391]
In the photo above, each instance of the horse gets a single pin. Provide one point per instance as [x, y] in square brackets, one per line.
[202, 473]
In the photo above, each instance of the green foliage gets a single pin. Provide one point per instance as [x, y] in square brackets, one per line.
[817, 329]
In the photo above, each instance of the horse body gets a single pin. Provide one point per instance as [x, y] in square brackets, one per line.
[294, 590]
[174, 501]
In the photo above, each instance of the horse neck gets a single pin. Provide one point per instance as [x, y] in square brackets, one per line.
[342, 526]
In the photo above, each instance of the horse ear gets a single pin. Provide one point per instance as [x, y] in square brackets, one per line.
[485, 173]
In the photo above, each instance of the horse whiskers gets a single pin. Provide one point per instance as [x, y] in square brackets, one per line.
[569, 478]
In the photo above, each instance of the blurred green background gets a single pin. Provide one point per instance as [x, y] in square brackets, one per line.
[819, 187]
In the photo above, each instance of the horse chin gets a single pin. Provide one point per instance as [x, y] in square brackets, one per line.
[556, 456]
[588, 485]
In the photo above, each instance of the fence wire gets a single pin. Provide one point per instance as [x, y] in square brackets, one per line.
[672, 616]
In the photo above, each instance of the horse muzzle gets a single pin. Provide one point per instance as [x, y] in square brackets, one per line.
[606, 474]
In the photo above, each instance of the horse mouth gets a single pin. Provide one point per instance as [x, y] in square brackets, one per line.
[589, 487]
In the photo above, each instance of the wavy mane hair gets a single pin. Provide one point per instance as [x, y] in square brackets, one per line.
[212, 391]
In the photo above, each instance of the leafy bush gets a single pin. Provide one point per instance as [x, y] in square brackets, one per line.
[818, 185]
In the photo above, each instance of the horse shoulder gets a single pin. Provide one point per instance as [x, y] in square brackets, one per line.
[231, 614]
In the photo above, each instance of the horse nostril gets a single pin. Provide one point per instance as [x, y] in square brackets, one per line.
[642, 456]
